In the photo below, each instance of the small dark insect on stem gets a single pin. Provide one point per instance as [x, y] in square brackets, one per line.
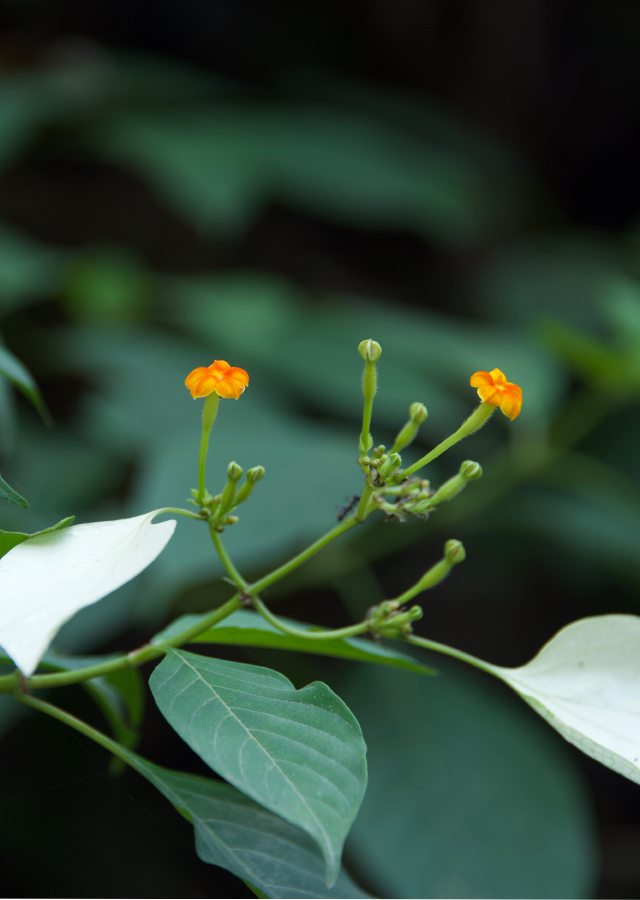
[347, 509]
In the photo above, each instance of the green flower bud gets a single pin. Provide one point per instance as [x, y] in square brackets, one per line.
[390, 620]
[418, 413]
[470, 470]
[231, 520]
[454, 552]
[370, 351]
[234, 472]
[253, 476]
[391, 465]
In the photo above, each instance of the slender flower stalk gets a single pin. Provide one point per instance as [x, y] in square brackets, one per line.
[332, 635]
[476, 420]
[209, 413]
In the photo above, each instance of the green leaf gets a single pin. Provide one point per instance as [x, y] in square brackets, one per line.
[10, 539]
[469, 795]
[586, 683]
[237, 834]
[299, 753]
[249, 629]
[48, 578]
[19, 375]
[7, 493]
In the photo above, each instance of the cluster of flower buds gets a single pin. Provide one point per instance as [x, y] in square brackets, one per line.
[392, 620]
[217, 510]
[399, 497]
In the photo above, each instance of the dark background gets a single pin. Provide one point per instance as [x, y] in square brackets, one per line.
[281, 180]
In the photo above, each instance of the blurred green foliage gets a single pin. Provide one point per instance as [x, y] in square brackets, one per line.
[559, 312]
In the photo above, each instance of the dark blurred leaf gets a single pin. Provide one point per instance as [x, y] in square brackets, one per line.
[8, 424]
[468, 795]
[426, 357]
[601, 529]
[106, 285]
[239, 835]
[621, 308]
[249, 629]
[299, 753]
[28, 269]
[219, 166]
[18, 374]
[25, 106]
[564, 276]
[595, 362]
[144, 80]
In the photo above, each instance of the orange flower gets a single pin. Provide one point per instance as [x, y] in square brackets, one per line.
[495, 390]
[221, 378]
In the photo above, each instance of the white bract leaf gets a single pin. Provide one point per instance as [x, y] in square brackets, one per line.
[586, 683]
[48, 578]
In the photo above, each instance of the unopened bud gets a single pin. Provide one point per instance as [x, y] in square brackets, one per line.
[231, 520]
[454, 552]
[370, 350]
[390, 620]
[391, 465]
[470, 470]
[234, 472]
[253, 476]
[418, 413]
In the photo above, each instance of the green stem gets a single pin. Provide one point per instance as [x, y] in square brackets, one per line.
[476, 420]
[361, 512]
[314, 548]
[78, 724]
[204, 624]
[451, 651]
[433, 577]
[176, 511]
[334, 635]
[209, 413]
[8, 683]
[366, 424]
[237, 578]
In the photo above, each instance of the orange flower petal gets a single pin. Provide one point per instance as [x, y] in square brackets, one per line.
[498, 377]
[206, 385]
[238, 375]
[227, 381]
[478, 379]
[515, 390]
[220, 366]
[195, 376]
[489, 394]
[229, 388]
[510, 405]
